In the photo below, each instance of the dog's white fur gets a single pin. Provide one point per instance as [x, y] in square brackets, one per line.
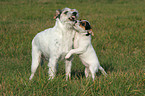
[54, 43]
[84, 48]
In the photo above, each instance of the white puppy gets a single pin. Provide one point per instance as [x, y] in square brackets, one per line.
[54, 43]
[83, 47]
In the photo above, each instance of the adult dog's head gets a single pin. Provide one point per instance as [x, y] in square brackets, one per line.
[67, 15]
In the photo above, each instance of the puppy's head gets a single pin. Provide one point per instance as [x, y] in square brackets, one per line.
[83, 26]
[67, 15]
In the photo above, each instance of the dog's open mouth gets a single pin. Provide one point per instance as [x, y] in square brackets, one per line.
[72, 18]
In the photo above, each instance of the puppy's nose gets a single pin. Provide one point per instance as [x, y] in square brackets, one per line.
[76, 21]
[74, 13]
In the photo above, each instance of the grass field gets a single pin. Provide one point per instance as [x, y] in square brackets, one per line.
[119, 41]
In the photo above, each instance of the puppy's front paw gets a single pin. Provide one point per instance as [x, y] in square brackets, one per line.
[67, 56]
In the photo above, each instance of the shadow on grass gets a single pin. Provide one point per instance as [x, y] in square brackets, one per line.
[108, 67]
[78, 74]
[79, 71]
[81, 74]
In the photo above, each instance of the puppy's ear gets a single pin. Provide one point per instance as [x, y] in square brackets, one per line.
[57, 14]
[91, 32]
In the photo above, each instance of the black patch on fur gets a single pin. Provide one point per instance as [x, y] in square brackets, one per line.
[88, 34]
[87, 27]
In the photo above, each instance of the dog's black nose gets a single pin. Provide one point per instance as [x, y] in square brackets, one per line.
[74, 13]
[76, 21]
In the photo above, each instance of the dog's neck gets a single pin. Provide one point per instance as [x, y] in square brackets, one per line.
[63, 25]
[59, 24]
[67, 32]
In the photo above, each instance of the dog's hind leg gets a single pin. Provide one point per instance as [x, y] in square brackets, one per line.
[36, 57]
[87, 72]
[93, 70]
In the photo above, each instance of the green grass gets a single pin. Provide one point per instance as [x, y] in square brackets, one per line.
[119, 43]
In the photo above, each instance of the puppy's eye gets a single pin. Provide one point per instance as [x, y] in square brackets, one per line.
[83, 24]
[65, 12]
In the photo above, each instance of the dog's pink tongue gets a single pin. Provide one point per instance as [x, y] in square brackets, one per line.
[73, 16]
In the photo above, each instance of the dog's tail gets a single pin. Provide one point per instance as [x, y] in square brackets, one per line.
[103, 71]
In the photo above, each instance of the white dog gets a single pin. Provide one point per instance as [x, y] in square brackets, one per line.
[54, 43]
[83, 47]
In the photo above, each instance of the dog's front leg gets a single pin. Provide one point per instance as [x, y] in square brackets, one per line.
[74, 51]
[52, 67]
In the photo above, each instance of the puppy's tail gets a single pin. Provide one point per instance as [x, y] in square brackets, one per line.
[103, 71]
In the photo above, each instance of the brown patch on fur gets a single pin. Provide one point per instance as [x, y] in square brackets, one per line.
[82, 27]
[72, 10]
[91, 32]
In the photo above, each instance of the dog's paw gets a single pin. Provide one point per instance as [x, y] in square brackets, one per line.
[67, 56]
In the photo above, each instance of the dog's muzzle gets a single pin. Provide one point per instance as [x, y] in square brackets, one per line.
[73, 17]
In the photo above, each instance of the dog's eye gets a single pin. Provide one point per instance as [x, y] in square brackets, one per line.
[83, 24]
[65, 12]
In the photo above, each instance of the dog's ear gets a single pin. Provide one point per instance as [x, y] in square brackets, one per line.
[57, 14]
[91, 32]
[58, 11]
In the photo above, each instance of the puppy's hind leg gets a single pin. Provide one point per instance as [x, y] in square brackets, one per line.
[36, 56]
[103, 71]
[93, 71]
[86, 72]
